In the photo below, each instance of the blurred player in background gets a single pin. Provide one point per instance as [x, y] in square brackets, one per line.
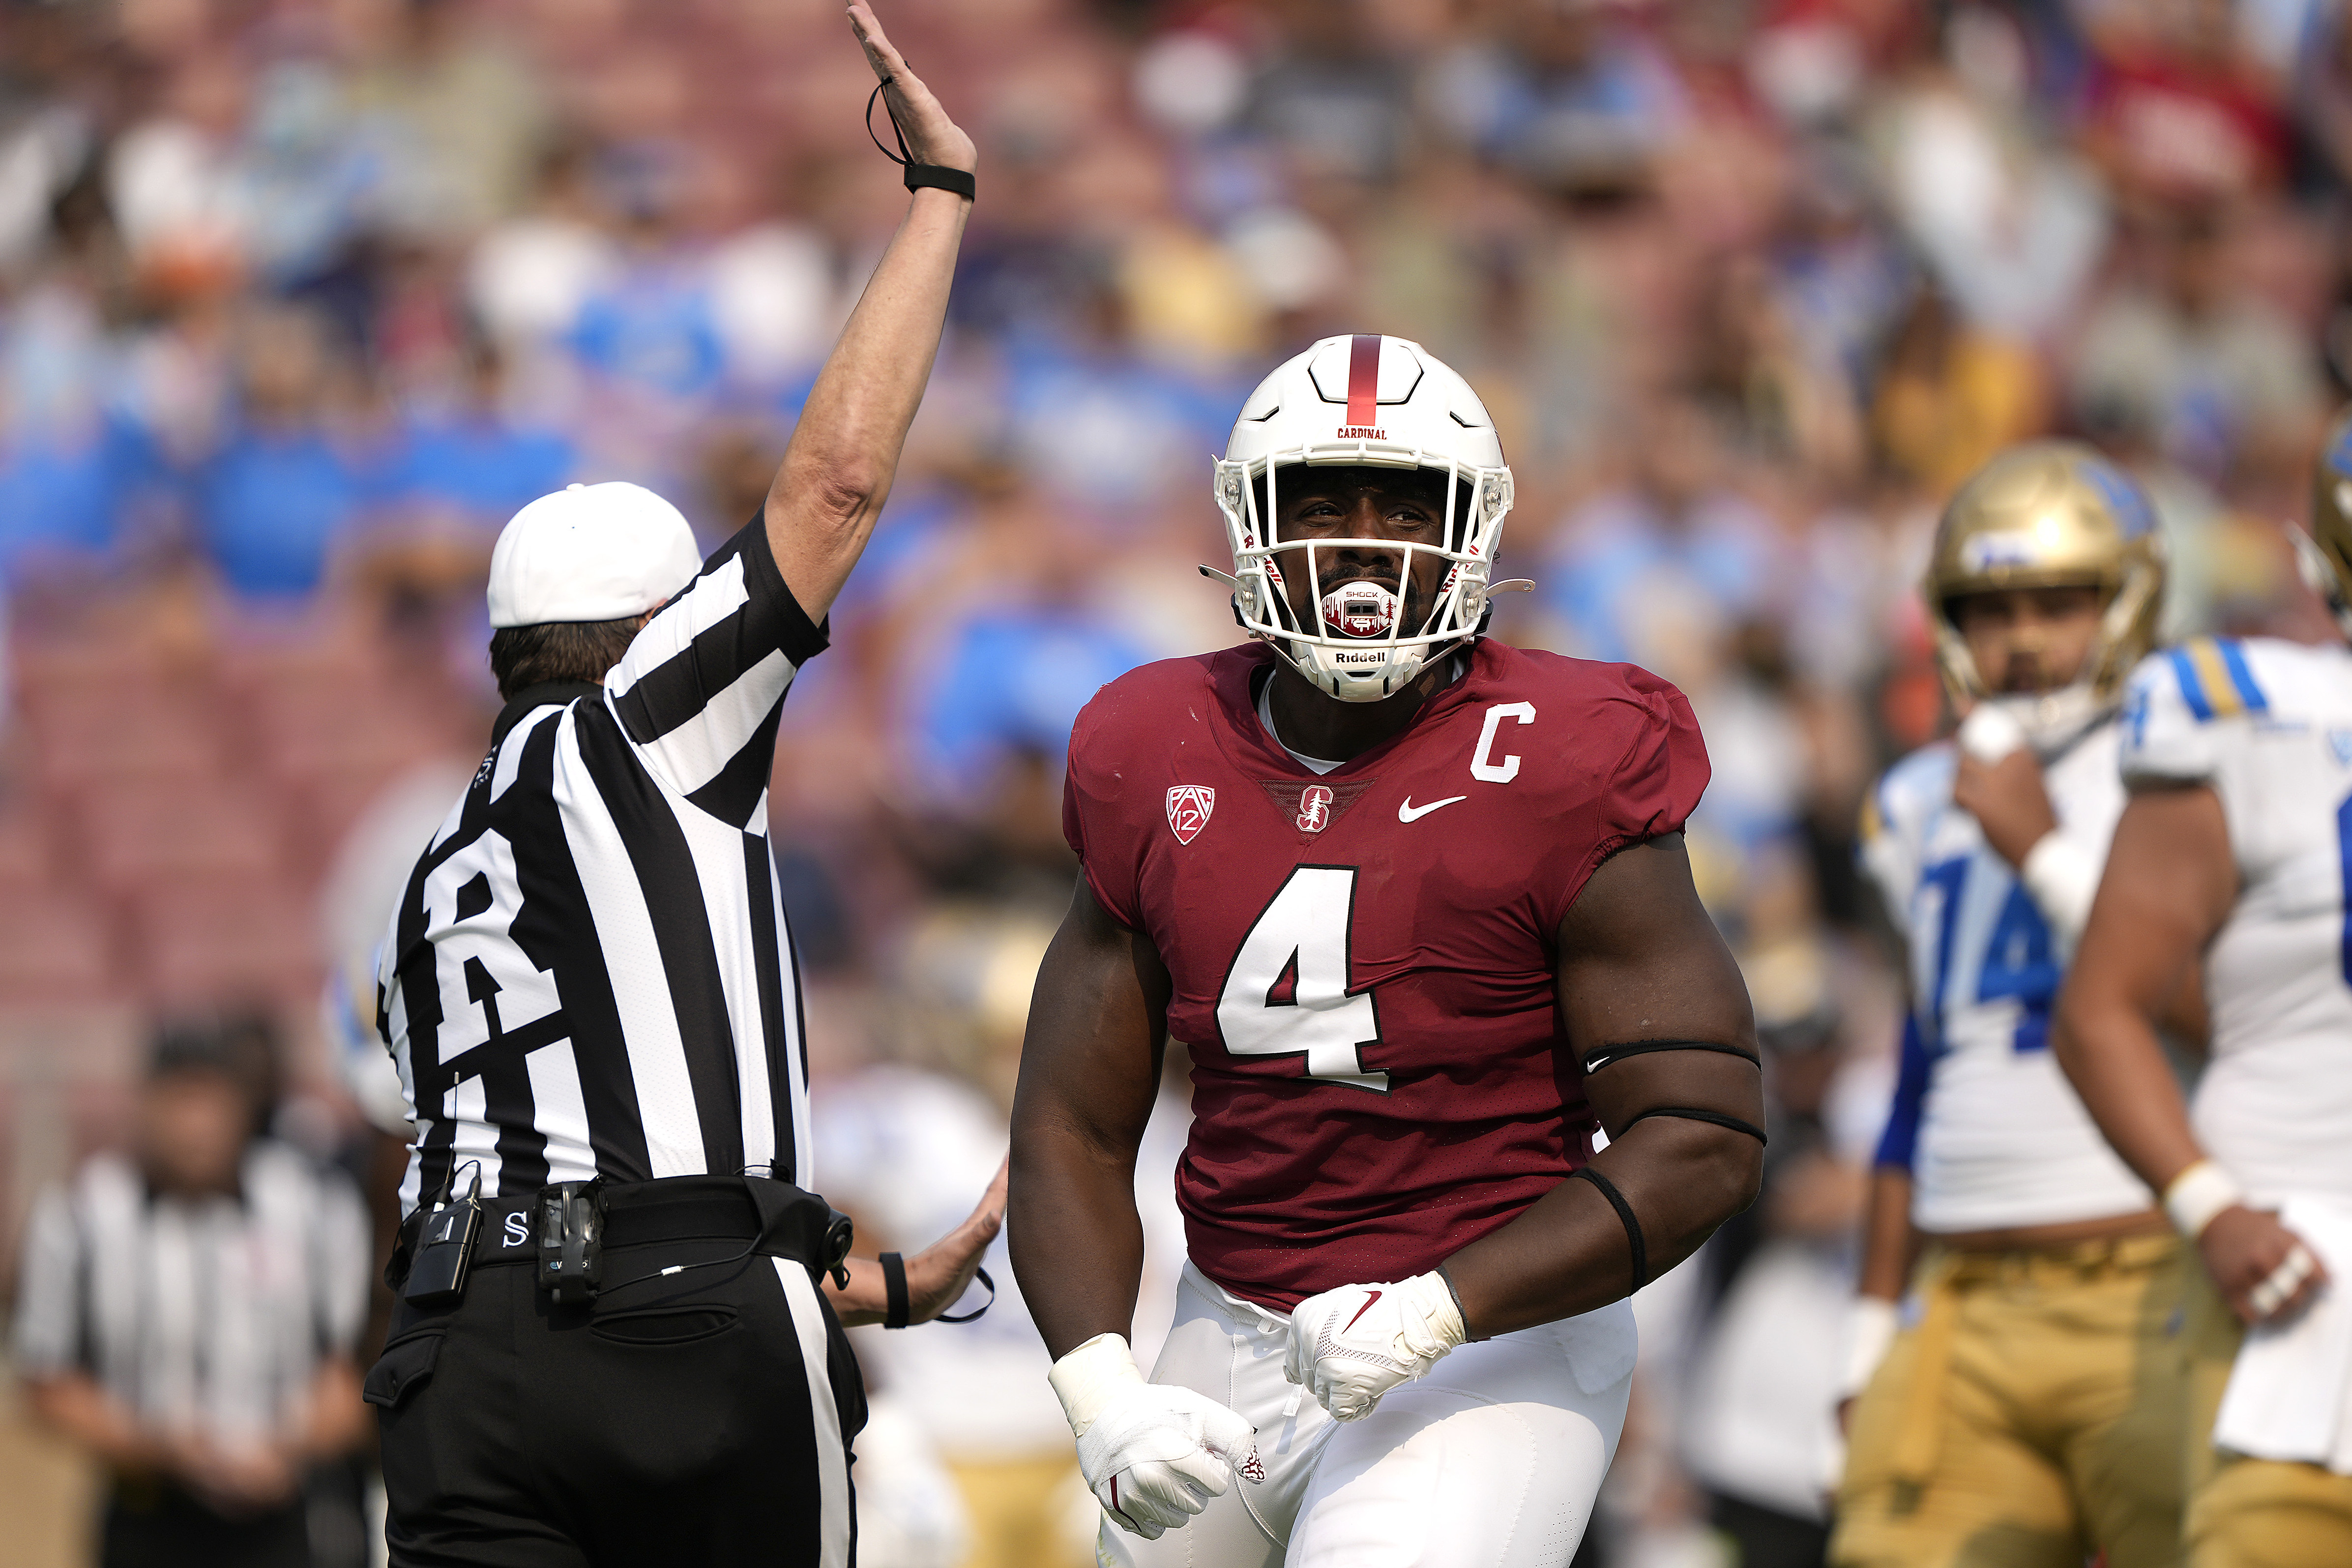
[2019, 1419]
[1418, 903]
[2232, 858]
[186, 1318]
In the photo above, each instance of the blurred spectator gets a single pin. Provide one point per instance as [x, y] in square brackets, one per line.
[2195, 362]
[1677, 531]
[1329, 97]
[475, 458]
[283, 489]
[2180, 108]
[775, 298]
[1565, 93]
[1950, 395]
[531, 274]
[1012, 679]
[458, 118]
[187, 1316]
[2010, 223]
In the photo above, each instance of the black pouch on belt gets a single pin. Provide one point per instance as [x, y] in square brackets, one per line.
[571, 1241]
[444, 1248]
[801, 1224]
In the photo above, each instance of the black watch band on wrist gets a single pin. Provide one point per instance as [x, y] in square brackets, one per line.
[893, 1290]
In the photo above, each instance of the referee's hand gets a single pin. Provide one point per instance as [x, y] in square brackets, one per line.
[935, 1276]
[931, 136]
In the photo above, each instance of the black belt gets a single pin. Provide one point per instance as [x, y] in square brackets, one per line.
[775, 1219]
[677, 1208]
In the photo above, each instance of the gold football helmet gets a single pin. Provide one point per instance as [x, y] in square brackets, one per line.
[2050, 514]
[2326, 551]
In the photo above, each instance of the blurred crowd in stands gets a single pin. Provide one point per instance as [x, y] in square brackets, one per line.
[300, 298]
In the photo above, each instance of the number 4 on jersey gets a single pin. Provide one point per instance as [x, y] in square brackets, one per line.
[1286, 994]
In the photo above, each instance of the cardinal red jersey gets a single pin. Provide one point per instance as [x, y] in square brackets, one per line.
[1362, 961]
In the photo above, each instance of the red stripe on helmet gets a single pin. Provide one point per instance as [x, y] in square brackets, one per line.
[1363, 378]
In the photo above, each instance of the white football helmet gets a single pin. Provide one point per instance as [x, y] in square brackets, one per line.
[1363, 401]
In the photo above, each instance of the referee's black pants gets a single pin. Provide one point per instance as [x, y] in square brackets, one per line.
[704, 1418]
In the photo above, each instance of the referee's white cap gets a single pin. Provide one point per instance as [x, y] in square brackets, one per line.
[590, 552]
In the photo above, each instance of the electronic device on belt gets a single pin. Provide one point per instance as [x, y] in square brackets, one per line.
[445, 1247]
[571, 1231]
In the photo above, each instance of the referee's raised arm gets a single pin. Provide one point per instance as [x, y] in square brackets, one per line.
[621, 1295]
[837, 470]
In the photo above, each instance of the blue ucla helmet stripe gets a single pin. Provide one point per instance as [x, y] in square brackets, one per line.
[2193, 684]
[2126, 502]
[2233, 659]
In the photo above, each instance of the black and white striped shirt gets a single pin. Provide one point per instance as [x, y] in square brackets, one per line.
[210, 1314]
[589, 974]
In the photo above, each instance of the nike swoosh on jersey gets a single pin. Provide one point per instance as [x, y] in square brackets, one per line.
[1375, 1295]
[1408, 812]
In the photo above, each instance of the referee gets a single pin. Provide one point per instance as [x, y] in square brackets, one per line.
[618, 1339]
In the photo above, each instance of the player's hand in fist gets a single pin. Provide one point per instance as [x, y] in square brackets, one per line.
[1152, 1453]
[1351, 1346]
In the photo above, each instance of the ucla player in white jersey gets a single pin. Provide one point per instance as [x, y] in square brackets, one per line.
[2010, 1420]
[2233, 856]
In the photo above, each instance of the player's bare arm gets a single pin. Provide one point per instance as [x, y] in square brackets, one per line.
[1639, 962]
[1152, 1454]
[1089, 1069]
[837, 470]
[2170, 885]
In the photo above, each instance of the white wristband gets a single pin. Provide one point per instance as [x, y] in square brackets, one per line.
[2063, 879]
[2197, 1194]
[1870, 1328]
[1085, 1379]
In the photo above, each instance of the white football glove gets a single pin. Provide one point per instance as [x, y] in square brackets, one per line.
[1154, 1454]
[1351, 1346]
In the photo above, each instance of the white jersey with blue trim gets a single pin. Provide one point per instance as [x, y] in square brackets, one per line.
[1990, 1131]
[2267, 726]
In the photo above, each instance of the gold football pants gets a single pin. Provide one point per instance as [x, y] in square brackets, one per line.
[2030, 1417]
[2250, 1513]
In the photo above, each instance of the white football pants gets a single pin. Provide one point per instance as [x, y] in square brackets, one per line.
[1491, 1461]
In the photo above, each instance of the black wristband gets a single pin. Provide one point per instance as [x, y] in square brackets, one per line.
[893, 1290]
[938, 176]
[1608, 1189]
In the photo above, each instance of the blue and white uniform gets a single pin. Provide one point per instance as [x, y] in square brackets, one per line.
[2267, 726]
[1984, 1120]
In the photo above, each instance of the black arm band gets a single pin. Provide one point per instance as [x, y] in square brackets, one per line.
[1640, 1250]
[938, 176]
[893, 1290]
[1608, 1054]
[1690, 1114]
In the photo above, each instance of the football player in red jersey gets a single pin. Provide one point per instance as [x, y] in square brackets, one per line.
[1419, 904]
